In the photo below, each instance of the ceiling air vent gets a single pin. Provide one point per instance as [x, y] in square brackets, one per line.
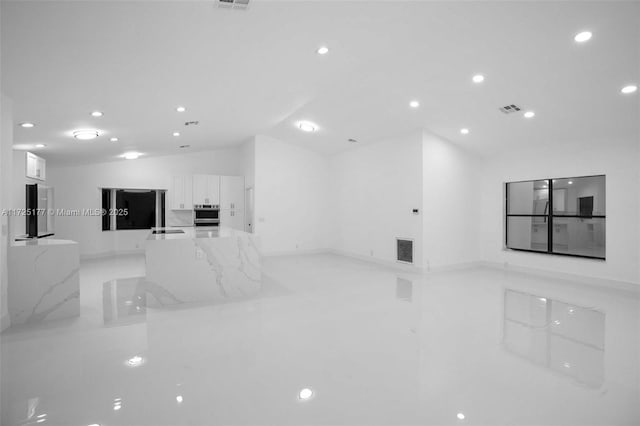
[191, 123]
[404, 248]
[508, 109]
[235, 4]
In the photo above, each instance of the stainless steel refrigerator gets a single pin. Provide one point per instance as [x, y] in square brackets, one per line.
[40, 211]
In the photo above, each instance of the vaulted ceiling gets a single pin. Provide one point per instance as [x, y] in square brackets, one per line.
[256, 71]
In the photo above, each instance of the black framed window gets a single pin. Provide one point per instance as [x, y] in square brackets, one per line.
[562, 216]
[125, 209]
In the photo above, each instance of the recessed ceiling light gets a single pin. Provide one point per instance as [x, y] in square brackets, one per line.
[85, 134]
[181, 109]
[570, 182]
[478, 78]
[136, 360]
[40, 145]
[27, 125]
[464, 131]
[583, 36]
[114, 139]
[529, 114]
[307, 126]
[176, 133]
[323, 50]
[97, 114]
[179, 399]
[460, 416]
[632, 88]
[305, 394]
[414, 104]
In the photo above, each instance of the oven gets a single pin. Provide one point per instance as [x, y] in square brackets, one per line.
[206, 215]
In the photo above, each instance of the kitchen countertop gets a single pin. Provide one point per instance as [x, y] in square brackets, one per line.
[41, 242]
[194, 232]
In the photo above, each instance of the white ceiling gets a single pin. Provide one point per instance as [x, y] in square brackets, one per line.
[242, 73]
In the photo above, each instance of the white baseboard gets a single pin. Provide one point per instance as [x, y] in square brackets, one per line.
[455, 267]
[112, 253]
[5, 322]
[564, 276]
[405, 267]
[294, 252]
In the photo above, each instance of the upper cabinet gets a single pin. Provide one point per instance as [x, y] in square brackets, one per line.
[232, 193]
[189, 190]
[181, 192]
[206, 189]
[35, 167]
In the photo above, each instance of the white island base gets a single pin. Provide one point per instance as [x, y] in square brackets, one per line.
[204, 265]
[44, 281]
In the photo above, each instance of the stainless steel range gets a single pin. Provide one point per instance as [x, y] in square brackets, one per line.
[206, 215]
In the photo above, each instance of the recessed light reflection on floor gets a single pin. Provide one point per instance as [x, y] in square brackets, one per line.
[179, 399]
[460, 416]
[306, 394]
[135, 361]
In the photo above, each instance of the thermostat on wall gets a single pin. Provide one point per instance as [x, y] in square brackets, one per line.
[416, 211]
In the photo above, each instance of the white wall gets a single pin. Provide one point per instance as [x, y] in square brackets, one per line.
[451, 194]
[618, 160]
[249, 162]
[374, 189]
[6, 190]
[77, 187]
[292, 208]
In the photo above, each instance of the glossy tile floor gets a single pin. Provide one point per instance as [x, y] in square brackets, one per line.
[332, 341]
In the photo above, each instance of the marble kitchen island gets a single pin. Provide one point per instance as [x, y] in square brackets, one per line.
[204, 264]
[44, 281]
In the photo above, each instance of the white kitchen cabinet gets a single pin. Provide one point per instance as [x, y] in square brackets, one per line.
[35, 167]
[232, 219]
[232, 193]
[181, 192]
[206, 189]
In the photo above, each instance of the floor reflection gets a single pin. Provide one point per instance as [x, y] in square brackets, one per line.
[125, 301]
[404, 289]
[562, 337]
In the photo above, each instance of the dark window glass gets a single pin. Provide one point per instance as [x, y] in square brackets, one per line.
[106, 208]
[135, 209]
